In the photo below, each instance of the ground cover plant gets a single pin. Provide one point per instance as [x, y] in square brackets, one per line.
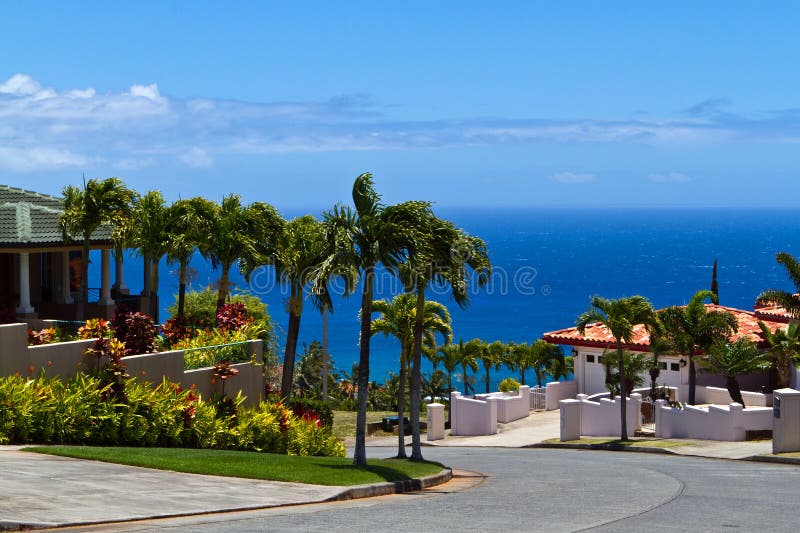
[95, 410]
[315, 470]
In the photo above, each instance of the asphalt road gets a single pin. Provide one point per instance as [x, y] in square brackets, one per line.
[550, 490]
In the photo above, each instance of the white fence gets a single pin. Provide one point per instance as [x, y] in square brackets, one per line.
[510, 407]
[538, 399]
[559, 390]
[479, 416]
[601, 418]
[716, 422]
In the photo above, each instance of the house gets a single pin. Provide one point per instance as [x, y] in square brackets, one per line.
[588, 350]
[39, 271]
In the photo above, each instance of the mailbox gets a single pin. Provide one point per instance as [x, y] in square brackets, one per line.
[786, 421]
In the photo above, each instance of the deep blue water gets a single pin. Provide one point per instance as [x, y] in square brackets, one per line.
[548, 262]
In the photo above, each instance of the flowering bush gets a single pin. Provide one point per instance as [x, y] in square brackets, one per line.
[42, 336]
[232, 316]
[175, 330]
[95, 328]
[82, 411]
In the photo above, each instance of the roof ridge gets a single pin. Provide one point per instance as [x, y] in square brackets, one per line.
[27, 191]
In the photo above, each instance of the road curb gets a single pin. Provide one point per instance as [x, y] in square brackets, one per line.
[775, 459]
[393, 487]
[605, 447]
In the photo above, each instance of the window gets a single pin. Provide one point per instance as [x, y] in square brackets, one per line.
[662, 365]
[675, 367]
[590, 358]
[600, 359]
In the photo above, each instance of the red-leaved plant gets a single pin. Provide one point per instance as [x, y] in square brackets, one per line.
[232, 316]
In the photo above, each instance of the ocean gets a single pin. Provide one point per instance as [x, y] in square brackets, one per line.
[547, 264]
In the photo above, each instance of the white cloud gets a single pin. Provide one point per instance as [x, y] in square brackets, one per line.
[669, 177]
[20, 85]
[571, 177]
[80, 93]
[145, 91]
[37, 159]
[196, 158]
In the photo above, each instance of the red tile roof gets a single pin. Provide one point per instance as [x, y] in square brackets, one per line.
[598, 336]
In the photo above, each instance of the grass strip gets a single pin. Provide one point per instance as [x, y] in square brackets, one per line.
[314, 470]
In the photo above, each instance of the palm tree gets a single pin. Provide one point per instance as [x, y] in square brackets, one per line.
[619, 317]
[693, 328]
[187, 227]
[441, 256]
[788, 301]
[99, 203]
[397, 319]
[491, 356]
[237, 232]
[561, 366]
[784, 347]
[541, 357]
[450, 360]
[468, 354]
[733, 358]
[363, 237]
[148, 229]
[635, 364]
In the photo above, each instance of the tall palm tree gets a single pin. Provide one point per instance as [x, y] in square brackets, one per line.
[187, 228]
[363, 237]
[787, 300]
[397, 319]
[468, 354]
[491, 356]
[450, 360]
[441, 256]
[148, 229]
[733, 358]
[542, 355]
[619, 317]
[237, 232]
[784, 347]
[98, 203]
[693, 329]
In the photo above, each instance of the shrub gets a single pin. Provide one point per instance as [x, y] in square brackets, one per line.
[509, 385]
[313, 410]
[94, 329]
[232, 316]
[175, 330]
[82, 411]
[137, 331]
[42, 336]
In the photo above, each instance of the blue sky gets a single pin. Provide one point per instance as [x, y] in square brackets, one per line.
[462, 103]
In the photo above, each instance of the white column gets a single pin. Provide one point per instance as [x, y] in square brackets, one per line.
[119, 275]
[25, 306]
[66, 295]
[105, 279]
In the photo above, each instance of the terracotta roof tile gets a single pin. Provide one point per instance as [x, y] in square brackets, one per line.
[597, 335]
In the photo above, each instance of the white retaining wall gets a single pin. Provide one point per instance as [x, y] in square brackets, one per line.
[510, 407]
[557, 391]
[472, 417]
[716, 422]
[601, 418]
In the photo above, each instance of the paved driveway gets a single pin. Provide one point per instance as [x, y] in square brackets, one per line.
[551, 490]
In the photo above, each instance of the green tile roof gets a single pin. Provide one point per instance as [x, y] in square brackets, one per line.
[31, 218]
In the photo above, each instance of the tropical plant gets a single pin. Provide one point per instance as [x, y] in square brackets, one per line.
[310, 373]
[187, 227]
[236, 232]
[693, 328]
[365, 236]
[561, 366]
[733, 358]
[508, 385]
[468, 354]
[784, 348]
[99, 203]
[136, 330]
[619, 317]
[441, 256]
[433, 385]
[398, 319]
[490, 355]
[787, 300]
[635, 364]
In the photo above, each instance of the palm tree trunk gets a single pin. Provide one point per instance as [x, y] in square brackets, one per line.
[692, 379]
[292, 333]
[416, 445]
[522, 374]
[84, 299]
[486, 379]
[401, 403]
[324, 353]
[222, 294]
[360, 451]
[464, 378]
[154, 292]
[733, 389]
[623, 421]
[182, 289]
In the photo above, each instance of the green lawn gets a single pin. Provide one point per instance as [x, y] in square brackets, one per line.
[344, 422]
[647, 443]
[315, 470]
